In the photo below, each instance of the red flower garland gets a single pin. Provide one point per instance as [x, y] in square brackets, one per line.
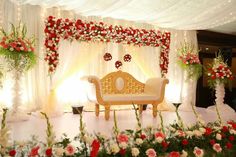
[91, 31]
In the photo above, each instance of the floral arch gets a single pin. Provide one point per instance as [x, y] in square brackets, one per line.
[93, 31]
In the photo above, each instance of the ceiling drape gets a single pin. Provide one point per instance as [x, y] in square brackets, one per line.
[176, 14]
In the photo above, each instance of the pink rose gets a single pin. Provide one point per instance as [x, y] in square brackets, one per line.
[159, 134]
[217, 147]
[151, 153]
[70, 150]
[198, 152]
[122, 138]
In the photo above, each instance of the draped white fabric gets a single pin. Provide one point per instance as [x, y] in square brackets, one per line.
[177, 14]
[79, 58]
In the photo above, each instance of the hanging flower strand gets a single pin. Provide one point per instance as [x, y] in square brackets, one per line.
[99, 32]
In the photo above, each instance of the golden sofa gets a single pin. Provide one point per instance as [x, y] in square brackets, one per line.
[121, 88]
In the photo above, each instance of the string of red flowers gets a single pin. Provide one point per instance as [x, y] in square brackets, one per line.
[92, 31]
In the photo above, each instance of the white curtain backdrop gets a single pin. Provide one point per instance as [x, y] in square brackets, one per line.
[79, 58]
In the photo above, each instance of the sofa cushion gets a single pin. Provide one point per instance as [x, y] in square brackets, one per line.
[129, 97]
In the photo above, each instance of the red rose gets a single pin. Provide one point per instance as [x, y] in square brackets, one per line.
[229, 145]
[225, 129]
[143, 136]
[208, 131]
[48, 152]
[212, 142]
[12, 152]
[174, 154]
[122, 151]
[164, 144]
[184, 142]
[231, 138]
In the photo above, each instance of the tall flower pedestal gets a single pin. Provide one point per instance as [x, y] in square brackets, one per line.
[219, 101]
[188, 96]
[15, 114]
[19, 56]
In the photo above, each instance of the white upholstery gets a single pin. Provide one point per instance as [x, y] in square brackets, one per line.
[129, 97]
[153, 86]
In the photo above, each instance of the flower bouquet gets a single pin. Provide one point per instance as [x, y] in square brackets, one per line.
[17, 49]
[189, 61]
[19, 54]
[218, 72]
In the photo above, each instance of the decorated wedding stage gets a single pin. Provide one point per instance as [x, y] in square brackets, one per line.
[45, 64]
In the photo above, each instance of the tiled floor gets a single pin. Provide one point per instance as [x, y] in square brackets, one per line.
[69, 123]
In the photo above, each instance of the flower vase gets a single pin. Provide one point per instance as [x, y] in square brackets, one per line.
[220, 94]
[187, 97]
[219, 101]
[17, 93]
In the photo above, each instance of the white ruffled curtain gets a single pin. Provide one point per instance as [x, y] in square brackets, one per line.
[79, 58]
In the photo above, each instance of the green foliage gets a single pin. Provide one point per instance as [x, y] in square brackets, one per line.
[15, 59]
[17, 49]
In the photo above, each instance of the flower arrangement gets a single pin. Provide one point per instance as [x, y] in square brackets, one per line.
[100, 32]
[212, 139]
[218, 72]
[17, 49]
[189, 61]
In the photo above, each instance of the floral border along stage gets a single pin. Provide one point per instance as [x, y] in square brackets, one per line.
[17, 49]
[218, 72]
[176, 140]
[92, 31]
[189, 61]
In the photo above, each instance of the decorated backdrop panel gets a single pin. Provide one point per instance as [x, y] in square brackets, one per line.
[99, 32]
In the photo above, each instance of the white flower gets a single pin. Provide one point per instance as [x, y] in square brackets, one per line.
[139, 141]
[59, 151]
[11, 49]
[159, 139]
[172, 129]
[184, 154]
[135, 152]
[115, 148]
[232, 131]
[123, 145]
[197, 133]
[88, 139]
[217, 147]
[203, 130]
[218, 136]
[198, 152]
[189, 133]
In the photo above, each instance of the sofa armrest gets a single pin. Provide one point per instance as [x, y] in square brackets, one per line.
[96, 81]
[156, 86]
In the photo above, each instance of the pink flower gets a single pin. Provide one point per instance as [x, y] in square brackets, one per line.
[217, 147]
[198, 152]
[151, 153]
[159, 137]
[70, 150]
[159, 134]
[122, 138]
[174, 154]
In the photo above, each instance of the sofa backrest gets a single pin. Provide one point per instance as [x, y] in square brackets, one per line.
[121, 83]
